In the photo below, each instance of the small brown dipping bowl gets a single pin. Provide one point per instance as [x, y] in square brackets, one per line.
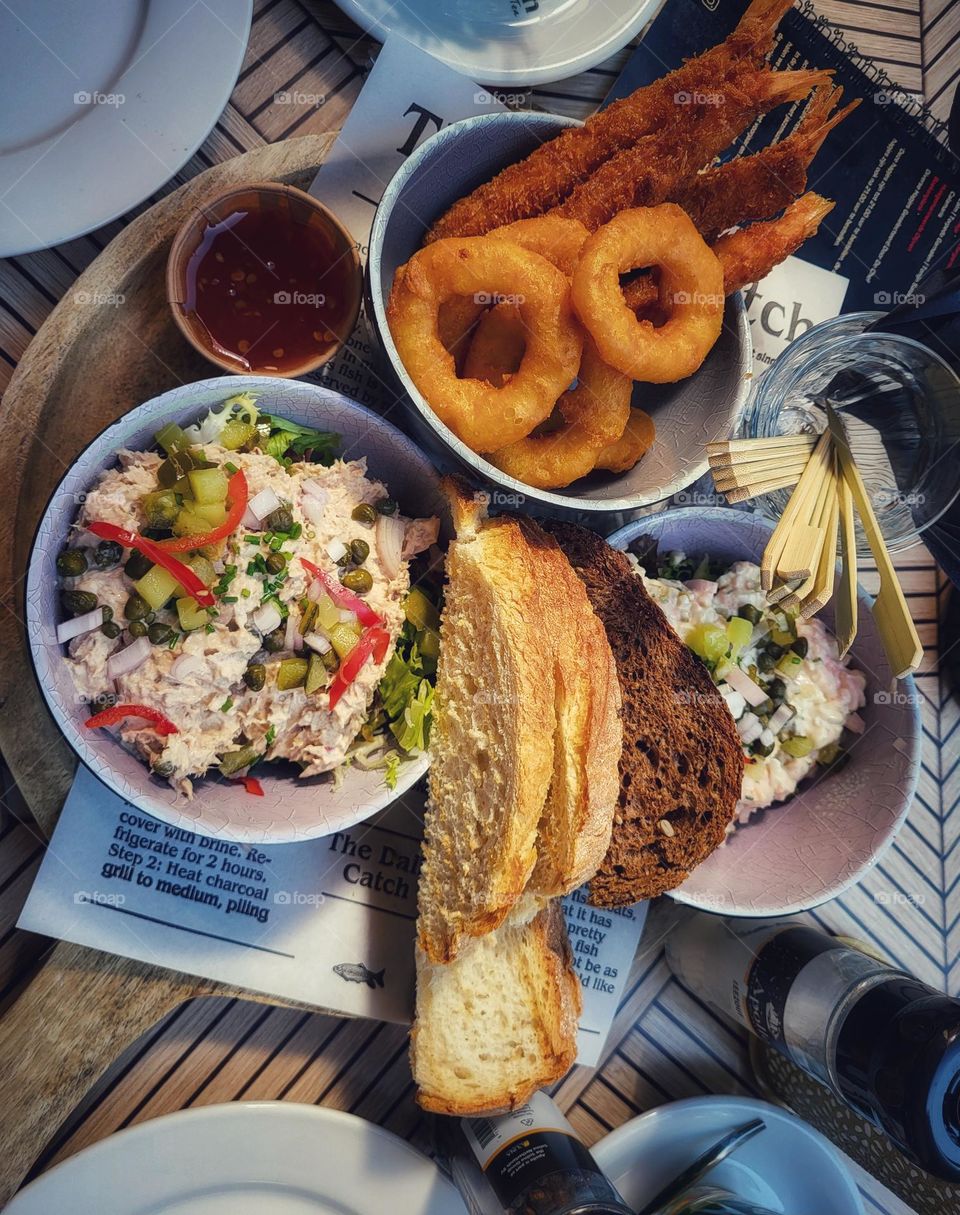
[264, 280]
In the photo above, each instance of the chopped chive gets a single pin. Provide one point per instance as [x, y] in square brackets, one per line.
[230, 599]
[252, 539]
[227, 705]
[271, 735]
[245, 592]
[209, 629]
[231, 467]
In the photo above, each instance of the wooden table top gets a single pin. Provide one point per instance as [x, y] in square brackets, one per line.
[663, 1045]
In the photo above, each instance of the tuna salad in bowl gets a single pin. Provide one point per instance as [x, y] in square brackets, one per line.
[233, 608]
[831, 745]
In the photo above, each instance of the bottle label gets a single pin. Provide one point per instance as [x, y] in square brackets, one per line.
[519, 1149]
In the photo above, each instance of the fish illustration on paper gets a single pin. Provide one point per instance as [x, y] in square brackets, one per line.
[356, 972]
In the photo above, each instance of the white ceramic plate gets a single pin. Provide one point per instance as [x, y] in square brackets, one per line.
[788, 1167]
[102, 102]
[508, 42]
[245, 1159]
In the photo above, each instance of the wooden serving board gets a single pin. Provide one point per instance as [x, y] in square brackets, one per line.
[109, 345]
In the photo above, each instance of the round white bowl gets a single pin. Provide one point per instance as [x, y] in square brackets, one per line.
[792, 857]
[688, 415]
[291, 809]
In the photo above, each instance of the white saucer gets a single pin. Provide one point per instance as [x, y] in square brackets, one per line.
[508, 42]
[247, 1158]
[102, 102]
[789, 1167]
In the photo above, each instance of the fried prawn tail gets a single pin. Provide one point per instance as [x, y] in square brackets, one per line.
[749, 254]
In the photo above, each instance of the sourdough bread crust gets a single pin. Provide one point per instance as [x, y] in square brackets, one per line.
[682, 762]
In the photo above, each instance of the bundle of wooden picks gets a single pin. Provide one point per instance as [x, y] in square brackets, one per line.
[798, 568]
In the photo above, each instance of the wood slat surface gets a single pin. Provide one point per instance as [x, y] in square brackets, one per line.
[302, 72]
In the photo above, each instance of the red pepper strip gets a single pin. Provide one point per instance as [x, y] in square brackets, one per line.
[342, 597]
[238, 495]
[116, 713]
[251, 784]
[372, 641]
[153, 552]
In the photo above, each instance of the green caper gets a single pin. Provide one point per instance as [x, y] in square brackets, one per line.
[107, 612]
[136, 608]
[159, 633]
[359, 550]
[71, 563]
[776, 690]
[280, 520]
[360, 581]
[775, 651]
[766, 661]
[751, 613]
[162, 768]
[800, 647]
[78, 603]
[137, 628]
[111, 629]
[364, 513]
[274, 642]
[386, 506]
[106, 554]
[762, 749]
[276, 563]
[330, 659]
[255, 676]
[137, 565]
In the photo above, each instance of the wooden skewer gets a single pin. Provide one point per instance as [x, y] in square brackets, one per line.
[773, 443]
[822, 589]
[754, 459]
[739, 476]
[826, 505]
[802, 549]
[846, 606]
[797, 511]
[897, 630]
[753, 491]
[783, 591]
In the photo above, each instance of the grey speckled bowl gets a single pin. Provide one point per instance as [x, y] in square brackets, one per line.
[688, 415]
[793, 857]
[291, 809]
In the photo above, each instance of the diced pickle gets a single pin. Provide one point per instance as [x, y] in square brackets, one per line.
[797, 746]
[428, 641]
[203, 568]
[420, 611]
[191, 614]
[292, 673]
[709, 641]
[317, 676]
[208, 485]
[343, 637]
[236, 433]
[160, 509]
[189, 523]
[739, 631]
[212, 513]
[235, 761]
[172, 438]
[328, 614]
[156, 586]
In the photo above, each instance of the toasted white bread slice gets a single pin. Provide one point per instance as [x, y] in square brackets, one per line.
[577, 818]
[500, 1021]
[492, 736]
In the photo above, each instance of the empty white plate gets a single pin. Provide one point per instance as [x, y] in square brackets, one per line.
[247, 1158]
[508, 42]
[102, 102]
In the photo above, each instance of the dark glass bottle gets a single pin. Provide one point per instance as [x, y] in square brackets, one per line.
[882, 1041]
[527, 1162]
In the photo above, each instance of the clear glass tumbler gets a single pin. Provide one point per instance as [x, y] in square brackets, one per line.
[900, 404]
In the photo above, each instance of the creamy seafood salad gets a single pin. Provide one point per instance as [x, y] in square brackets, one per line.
[793, 699]
[239, 595]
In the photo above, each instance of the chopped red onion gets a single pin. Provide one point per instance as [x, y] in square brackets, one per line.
[292, 639]
[264, 503]
[313, 510]
[315, 490]
[390, 536]
[185, 667]
[250, 521]
[78, 625]
[266, 618]
[418, 535]
[129, 658]
[749, 727]
[336, 549]
[780, 717]
[317, 641]
[741, 682]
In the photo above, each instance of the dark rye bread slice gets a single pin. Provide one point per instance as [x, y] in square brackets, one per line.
[681, 768]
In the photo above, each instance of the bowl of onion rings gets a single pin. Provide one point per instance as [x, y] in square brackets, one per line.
[516, 351]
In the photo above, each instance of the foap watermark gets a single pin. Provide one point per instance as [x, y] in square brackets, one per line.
[296, 97]
[890, 299]
[305, 299]
[899, 898]
[100, 299]
[896, 696]
[494, 97]
[695, 98]
[700, 298]
[105, 898]
[298, 898]
[83, 97]
[498, 498]
[897, 497]
[891, 95]
[698, 498]
[493, 298]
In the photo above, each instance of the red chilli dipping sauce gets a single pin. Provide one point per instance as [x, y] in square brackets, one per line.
[273, 283]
